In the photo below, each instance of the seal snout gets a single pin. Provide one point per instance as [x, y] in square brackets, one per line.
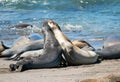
[12, 67]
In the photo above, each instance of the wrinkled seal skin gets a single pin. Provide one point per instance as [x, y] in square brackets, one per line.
[21, 45]
[111, 48]
[51, 54]
[73, 54]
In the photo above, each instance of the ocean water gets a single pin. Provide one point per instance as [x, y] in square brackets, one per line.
[90, 20]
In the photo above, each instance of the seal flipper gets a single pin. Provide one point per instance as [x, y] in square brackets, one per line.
[5, 47]
[20, 68]
[14, 57]
[14, 67]
[2, 49]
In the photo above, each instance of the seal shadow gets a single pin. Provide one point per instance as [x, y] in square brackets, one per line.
[4, 70]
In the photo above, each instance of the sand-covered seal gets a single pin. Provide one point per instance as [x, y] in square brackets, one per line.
[51, 54]
[111, 48]
[73, 54]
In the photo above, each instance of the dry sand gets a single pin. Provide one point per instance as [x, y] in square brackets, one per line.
[106, 71]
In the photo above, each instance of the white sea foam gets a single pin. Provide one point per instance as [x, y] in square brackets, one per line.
[70, 27]
[45, 3]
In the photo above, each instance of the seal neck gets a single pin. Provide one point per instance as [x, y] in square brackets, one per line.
[62, 39]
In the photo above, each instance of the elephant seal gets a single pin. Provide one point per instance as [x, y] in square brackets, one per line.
[111, 48]
[73, 54]
[80, 43]
[32, 40]
[22, 44]
[21, 26]
[83, 44]
[51, 54]
[111, 40]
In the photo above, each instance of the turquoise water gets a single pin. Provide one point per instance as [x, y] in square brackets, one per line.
[90, 20]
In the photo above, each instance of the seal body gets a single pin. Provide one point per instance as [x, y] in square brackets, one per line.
[80, 43]
[73, 54]
[111, 48]
[26, 46]
[21, 26]
[111, 40]
[22, 44]
[83, 45]
[51, 54]
[111, 52]
[32, 53]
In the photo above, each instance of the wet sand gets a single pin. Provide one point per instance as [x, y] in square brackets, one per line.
[106, 71]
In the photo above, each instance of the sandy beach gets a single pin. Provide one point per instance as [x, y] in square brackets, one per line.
[106, 71]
